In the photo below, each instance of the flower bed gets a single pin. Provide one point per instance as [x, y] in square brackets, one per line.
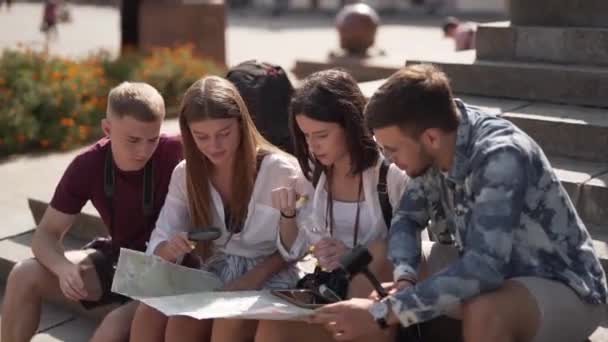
[49, 102]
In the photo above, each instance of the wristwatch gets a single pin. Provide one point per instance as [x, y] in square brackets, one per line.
[379, 311]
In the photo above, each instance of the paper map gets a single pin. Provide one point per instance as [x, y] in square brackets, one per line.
[176, 290]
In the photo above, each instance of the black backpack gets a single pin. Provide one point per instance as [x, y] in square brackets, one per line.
[267, 91]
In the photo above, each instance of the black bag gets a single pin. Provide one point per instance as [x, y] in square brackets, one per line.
[267, 91]
[336, 280]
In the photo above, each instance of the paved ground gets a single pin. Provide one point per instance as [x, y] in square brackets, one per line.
[251, 34]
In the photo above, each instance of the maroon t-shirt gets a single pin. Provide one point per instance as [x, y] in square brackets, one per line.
[83, 181]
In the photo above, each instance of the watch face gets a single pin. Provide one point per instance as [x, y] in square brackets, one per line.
[379, 310]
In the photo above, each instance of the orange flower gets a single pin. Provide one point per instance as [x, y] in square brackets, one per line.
[20, 137]
[83, 131]
[100, 103]
[72, 71]
[66, 122]
[44, 143]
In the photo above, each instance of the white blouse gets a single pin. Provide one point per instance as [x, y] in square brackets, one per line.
[344, 222]
[260, 229]
[371, 222]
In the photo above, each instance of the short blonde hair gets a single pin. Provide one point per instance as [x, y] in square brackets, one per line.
[138, 100]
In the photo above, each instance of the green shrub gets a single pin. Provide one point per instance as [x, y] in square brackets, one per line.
[49, 102]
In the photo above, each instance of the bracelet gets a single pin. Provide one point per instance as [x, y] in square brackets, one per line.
[288, 216]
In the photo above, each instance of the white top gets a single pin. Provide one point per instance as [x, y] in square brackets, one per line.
[260, 229]
[371, 228]
[344, 222]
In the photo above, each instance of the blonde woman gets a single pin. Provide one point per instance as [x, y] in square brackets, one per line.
[225, 181]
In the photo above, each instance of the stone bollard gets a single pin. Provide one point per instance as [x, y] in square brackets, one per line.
[357, 25]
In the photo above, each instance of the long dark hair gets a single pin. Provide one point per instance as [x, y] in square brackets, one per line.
[332, 96]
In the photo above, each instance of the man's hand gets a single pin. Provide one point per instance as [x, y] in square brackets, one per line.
[347, 320]
[328, 252]
[71, 283]
[391, 288]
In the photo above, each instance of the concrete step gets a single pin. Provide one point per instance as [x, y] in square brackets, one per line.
[586, 13]
[86, 227]
[575, 85]
[569, 134]
[600, 243]
[51, 317]
[362, 71]
[587, 186]
[77, 329]
[493, 105]
[562, 45]
[65, 321]
[567, 131]
[18, 248]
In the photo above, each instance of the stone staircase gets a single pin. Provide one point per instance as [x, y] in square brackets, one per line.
[552, 60]
[553, 57]
[18, 248]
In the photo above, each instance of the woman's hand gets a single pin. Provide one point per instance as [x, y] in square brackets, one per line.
[328, 252]
[176, 247]
[284, 199]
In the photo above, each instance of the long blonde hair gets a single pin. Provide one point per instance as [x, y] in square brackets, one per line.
[213, 97]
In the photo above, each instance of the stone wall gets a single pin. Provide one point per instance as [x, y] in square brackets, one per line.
[170, 22]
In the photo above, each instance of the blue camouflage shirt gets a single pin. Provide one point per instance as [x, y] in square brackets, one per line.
[506, 211]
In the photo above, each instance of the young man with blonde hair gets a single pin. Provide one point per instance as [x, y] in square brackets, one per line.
[125, 176]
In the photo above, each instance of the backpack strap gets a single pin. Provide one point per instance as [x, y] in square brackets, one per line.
[148, 190]
[109, 187]
[382, 188]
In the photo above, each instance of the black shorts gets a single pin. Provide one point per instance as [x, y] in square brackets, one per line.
[105, 266]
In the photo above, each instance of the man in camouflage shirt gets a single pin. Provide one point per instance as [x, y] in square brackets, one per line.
[514, 261]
